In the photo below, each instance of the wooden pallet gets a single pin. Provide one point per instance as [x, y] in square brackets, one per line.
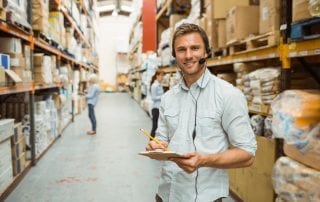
[42, 37]
[252, 43]
[307, 29]
[22, 27]
[11, 20]
[220, 52]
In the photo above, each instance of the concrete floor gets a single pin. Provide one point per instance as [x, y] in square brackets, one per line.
[99, 168]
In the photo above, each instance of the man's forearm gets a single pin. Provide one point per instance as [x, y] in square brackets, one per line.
[232, 158]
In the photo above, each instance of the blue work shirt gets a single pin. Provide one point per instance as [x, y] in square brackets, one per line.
[156, 93]
[93, 94]
[222, 119]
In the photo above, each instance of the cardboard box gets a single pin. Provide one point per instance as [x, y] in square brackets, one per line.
[258, 177]
[17, 60]
[12, 77]
[221, 8]
[221, 23]
[269, 16]
[18, 164]
[10, 45]
[2, 76]
[5, 179]
[203, 22]
[5, 155]
[300, 10]
[174, 18]
[259, 188]
[3, 14]
[311, 159]
[19, 147]
[241, 22]
[7, 128]
[17, 135]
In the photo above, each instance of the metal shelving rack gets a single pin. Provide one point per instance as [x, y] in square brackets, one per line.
[31, 89]
[285, 53]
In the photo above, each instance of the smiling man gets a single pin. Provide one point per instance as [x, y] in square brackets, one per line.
[200, 118]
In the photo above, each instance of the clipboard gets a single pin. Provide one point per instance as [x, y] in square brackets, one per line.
[161, 155]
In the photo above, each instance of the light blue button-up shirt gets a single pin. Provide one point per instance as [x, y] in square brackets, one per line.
[156, 93]
[93, 94]
[222, 119]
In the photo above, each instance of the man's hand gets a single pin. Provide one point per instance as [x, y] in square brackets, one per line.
[152, 145]
[190, 163]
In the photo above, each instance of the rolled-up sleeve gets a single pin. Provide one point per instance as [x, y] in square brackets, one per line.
[236, 123]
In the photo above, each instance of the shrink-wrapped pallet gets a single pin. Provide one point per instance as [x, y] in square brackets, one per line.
[40, 16]
[267, 128]
[295, 113]
[295, 182]
[257, 123]
[296, 119]
[242, 80]
[306, 151]
[264, 85]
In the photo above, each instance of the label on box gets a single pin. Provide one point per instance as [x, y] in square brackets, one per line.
[5, 61]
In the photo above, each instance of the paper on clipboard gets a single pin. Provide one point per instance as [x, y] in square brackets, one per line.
[161, 155]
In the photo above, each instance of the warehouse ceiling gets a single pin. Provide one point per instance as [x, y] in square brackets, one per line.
[114, 7]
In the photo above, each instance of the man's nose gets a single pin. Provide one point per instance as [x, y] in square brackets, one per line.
[188, 53]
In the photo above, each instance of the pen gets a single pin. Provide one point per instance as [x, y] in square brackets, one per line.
[152, 138]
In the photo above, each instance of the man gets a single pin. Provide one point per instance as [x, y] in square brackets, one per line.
[200, 117]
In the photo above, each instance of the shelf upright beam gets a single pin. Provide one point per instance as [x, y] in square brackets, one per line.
[31, 94]
[149, 35]
[32, 125]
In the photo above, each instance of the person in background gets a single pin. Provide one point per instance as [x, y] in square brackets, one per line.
[205, 119]
[92, 99]
[156, 91]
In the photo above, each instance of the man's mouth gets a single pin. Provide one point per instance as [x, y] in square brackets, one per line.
[189, 63]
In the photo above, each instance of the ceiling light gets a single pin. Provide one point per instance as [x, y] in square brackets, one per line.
[126, 8]
[115, 12]
[106, 8]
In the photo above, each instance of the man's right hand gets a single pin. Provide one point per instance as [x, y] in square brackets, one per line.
[152, 145]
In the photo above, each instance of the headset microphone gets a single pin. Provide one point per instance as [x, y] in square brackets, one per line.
[202, 61]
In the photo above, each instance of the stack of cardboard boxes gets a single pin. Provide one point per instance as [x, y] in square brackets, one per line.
[228, 22]
[15, 59]
[6, 175]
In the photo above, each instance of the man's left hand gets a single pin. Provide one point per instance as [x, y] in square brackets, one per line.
[190, 162]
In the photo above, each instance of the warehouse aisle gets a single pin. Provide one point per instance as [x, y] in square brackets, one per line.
[105, 167]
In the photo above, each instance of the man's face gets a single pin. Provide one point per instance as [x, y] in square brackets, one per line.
[189, 50]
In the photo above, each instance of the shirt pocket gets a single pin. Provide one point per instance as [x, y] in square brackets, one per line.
[172, 119]
[209, 124]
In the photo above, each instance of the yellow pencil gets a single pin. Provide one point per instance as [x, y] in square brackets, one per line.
[152, 138]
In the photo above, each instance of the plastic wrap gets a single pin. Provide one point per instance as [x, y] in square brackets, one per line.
[267, 129]
[17, 12]
[314, 8]
[264, 84]
[40, 16]
[257, 122]
[295, 182]
[295, 113]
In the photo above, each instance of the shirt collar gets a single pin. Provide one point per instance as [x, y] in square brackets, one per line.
[201, 82]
